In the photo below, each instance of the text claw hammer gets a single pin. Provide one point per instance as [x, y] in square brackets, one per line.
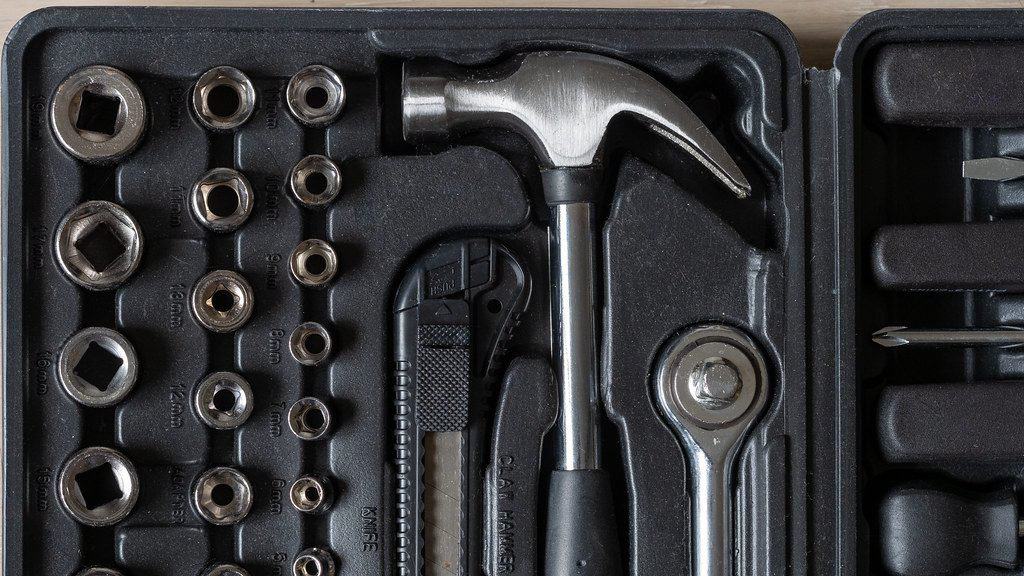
[563, 102]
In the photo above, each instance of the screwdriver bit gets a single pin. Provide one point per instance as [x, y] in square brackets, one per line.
[1002, 336]
[998, 168]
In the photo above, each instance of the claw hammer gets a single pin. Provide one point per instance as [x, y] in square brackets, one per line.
[562, 102]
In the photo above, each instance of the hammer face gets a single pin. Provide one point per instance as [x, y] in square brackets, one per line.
[424, 107]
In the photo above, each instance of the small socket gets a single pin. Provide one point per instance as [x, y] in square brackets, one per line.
[226, 570]
[223, 98]
[310, 344]
[223, 400]
[98, 114]
[315, 181]
[99, 571]
[312, 494]
[222, 200]
[98, 486]
[222, 301]
[222, 496]
[98, 245]
[97, 367]
[313, 263]
[316, 95]
[314, 562]
[309, 418]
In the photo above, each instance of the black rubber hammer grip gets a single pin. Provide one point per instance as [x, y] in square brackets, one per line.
[581, 498]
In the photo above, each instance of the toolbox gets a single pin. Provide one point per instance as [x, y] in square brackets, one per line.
[254, 324]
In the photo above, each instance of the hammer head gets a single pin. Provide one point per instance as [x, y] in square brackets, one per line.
[562, 102]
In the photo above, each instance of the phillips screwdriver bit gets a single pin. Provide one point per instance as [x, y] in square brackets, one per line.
[1002, 336]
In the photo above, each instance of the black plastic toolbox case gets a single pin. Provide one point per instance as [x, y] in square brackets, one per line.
[787, 265]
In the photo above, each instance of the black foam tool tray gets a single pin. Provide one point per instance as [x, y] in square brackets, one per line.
[832, 155]
[904, 237]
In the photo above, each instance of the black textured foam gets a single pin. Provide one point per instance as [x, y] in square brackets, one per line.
[442, 379]
[949, 84]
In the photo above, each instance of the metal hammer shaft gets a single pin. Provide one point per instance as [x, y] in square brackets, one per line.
[574, 336]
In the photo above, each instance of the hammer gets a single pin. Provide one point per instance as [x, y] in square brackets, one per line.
[562, 102]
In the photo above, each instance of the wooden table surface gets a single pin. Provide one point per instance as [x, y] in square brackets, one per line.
[817, 24]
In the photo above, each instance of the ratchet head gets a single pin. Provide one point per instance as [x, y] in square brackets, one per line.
[711, 383]
[562, 102]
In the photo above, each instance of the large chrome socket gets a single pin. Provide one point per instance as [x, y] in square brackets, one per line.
[97, 367]
[98, 245]
[98, 486]
[98, 114]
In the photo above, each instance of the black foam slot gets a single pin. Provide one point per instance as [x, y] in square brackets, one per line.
[950, 84]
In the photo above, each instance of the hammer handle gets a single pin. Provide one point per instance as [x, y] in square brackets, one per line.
[574, 336]
[582, 537]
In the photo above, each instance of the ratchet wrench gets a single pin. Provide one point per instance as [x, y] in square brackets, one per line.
[711, 384]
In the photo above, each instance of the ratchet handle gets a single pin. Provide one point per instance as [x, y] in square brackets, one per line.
[711, 518]
[582, 537]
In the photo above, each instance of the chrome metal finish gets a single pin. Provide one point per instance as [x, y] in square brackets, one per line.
[315, 95]
[98, 486]
[98, 114]
[1002, 336]
[575, 340]
[223, 400]
[314, 562]
[563, 102]
[309, 418]
[222, 199]
[999, 168]
[313, 263]
[312, 494]
[222, 496]
[226, 570]
[97, 367]
[98, 245]
[310, 344]
[222, 301]
[711, 385]
[223, 98]
[315, 181]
